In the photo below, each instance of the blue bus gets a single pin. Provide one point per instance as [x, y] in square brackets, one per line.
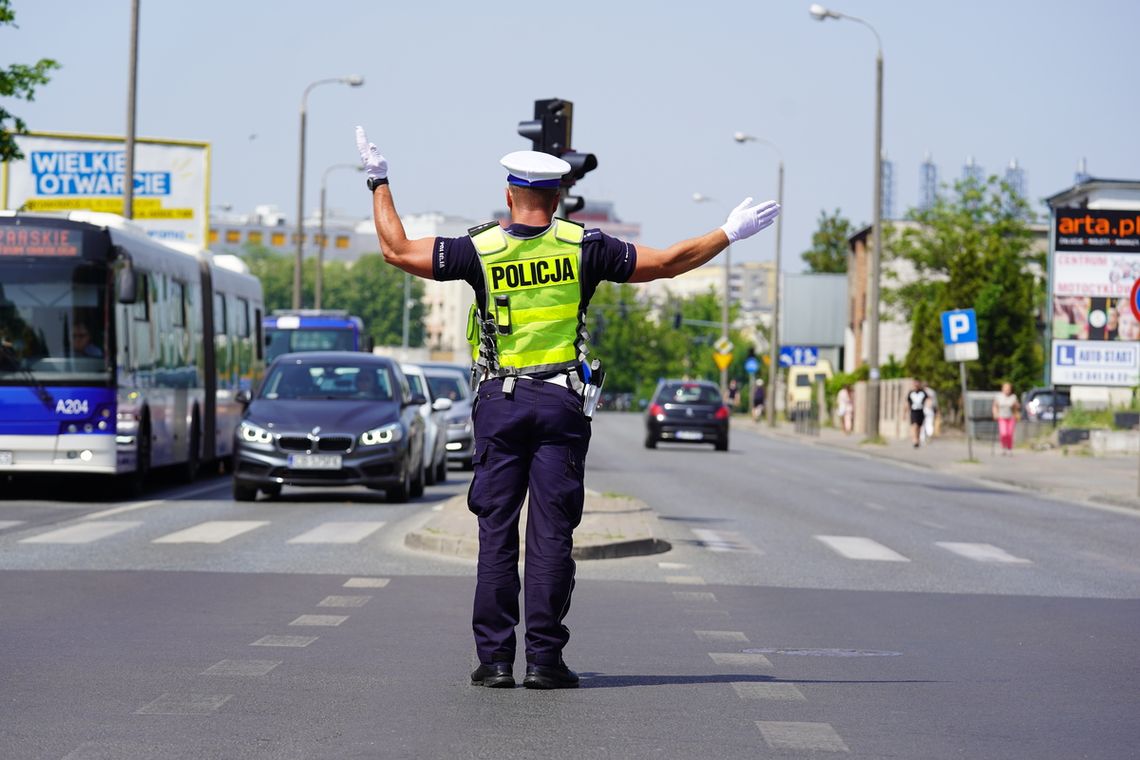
[313, 330]
[119, 353]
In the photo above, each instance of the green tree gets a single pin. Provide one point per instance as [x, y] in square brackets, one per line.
[18, 81]
[972, 249]
[828, 252]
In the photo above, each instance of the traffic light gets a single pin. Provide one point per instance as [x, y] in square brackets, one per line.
[550, 132]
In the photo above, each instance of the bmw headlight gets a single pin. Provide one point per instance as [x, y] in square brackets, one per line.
[251, 433]
[389, 433]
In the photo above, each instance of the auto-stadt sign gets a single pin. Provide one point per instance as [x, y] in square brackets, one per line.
[64, 172]
[1088, 362]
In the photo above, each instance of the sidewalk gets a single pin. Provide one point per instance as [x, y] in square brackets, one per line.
[1075, 476]
[612, 526]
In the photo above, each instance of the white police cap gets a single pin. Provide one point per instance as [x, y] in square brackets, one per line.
[529, 168]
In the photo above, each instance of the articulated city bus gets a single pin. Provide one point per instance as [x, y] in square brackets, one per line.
[313, 330]
[119, 353]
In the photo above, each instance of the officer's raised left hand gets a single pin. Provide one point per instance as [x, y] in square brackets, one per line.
[745, 221]
[375, 165]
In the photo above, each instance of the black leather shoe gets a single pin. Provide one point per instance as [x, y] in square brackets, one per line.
[550, 677]
[497, 675]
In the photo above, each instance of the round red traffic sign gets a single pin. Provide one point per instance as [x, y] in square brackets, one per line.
[1132, 299]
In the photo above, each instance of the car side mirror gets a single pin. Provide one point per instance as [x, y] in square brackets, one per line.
[417, 399]
[441, 404]
[243, 397]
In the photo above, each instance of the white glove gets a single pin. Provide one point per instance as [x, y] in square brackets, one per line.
[375, 165]
[745, 221]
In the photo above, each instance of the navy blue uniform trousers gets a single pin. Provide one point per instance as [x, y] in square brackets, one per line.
[536, 440]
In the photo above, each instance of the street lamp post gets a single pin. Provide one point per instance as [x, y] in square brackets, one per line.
[129, 144]
[317, 291]
[872, 405]
[773, 341]
[351, 81]
[701, 198]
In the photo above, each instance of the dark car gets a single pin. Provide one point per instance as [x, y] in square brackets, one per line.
[687, 411]
[453, 381]
[1044, 404]
[331, 418]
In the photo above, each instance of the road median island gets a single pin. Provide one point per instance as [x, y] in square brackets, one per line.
[611, 527]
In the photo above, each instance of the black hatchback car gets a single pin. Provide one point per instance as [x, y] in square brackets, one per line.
[687, 411]
[331, 418]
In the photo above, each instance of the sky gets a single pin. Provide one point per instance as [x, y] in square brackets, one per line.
[658, 91]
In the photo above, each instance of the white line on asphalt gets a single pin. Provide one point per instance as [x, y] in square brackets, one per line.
[337, 533]
[930, 524]
[685, 580]
[151, 503]
[4, 524]
[811, 737]
[84, 533]
[857, 547]
[323, 620]
[212, 532]
[184, 704]
[835, 492]
[778, 692]
[284, 641]
[344, 601]
[874, 506]
[672, 565]
[694, 596]
[366, 583]
[740, 659]
[241, 668]
[982, 552]
[734, 637]
[437, 508]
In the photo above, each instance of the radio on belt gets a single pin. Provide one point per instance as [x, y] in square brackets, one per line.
[592, 393]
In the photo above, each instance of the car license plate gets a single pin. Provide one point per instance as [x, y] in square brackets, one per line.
[6, 459]
[689, 435]
[314, 461]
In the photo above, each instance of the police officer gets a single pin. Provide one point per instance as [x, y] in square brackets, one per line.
[533, 282]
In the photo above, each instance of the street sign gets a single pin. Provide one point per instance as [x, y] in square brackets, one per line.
[751, 365]
[722, 360]
[960, 335]
[723, 345]
[798, 356]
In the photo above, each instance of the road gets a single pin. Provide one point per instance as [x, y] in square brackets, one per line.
[815, 603]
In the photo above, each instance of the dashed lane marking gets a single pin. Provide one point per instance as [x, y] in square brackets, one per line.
[740, 659]
[808, 737]
[857, 547]
[212, 532]
[777, 692]
[685, 580]
[982, 552]
[694, 596]
[83, 533]
[284, 641]
[337, 533]
[723, 541]
[325, 620]
[366, 583]
[241, 668]
[344, 601]
[722, 637]
[184, 704]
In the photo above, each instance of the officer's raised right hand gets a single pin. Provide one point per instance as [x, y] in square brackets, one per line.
[375, 165]
[745, 221]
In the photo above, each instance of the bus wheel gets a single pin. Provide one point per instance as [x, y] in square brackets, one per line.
[133, 484]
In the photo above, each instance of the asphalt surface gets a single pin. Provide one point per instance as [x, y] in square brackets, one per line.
[815, 602]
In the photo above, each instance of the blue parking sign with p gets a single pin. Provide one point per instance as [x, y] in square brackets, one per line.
[959, 326]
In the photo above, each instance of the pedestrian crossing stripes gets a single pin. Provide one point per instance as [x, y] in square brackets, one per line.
[5, 524]
[84, 533]
[337, 533]
[982, 552]
[212, 532]
[858, 547]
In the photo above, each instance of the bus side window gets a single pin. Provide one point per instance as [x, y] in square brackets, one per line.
[140, 309]
[219, 314]
[177, 302]
[243, 318]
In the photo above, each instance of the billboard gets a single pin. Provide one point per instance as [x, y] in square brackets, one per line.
[63, 172]
[1095, 261]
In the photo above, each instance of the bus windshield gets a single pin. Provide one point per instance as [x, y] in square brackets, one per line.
[53, 322]
[309, 339]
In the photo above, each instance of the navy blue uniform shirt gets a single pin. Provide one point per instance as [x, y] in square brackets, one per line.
[603, 258]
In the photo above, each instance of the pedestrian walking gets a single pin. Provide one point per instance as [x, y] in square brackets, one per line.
[533, 281]
[916, 404]
[1005, 409]
[731, 394]
[845, 408]
[758, 400]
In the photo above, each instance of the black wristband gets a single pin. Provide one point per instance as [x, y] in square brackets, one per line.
[374, 183]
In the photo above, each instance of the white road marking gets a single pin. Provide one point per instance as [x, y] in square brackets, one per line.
[722, 637]
[874, 506]
[344, 601]
[337, 533]
[284, 641]
[740, 659]
[982, 552]
[184, 704]
[4, 524]
[835, 492]
[694, 596]
[723, 541]
[153, 502]
[685, 580]
[672, 565]
[366, 583]
[778, 692]
[83, 533]
[931, 524]
[857, 547]
[811, 737]
[437, 508]
[323, 620]
[241, 668]
[212, 532]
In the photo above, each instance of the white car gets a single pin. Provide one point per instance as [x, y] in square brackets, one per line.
[434, 414]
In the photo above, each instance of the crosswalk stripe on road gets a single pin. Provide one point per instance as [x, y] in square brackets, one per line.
[982, 552]
[211, 532]
[337, 533]
[858, 547]
[84, 533]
